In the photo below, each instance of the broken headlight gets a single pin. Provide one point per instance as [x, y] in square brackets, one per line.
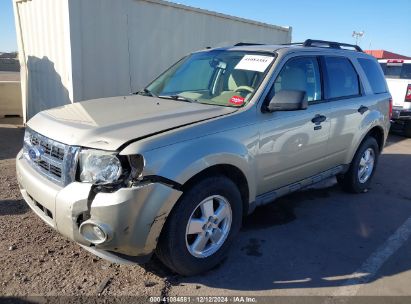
[99, 167]
[104, 168]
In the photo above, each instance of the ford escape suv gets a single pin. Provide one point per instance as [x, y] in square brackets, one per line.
[173, 169]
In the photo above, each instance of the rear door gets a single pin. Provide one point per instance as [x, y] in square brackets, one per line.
[345, 98]
[349, 102]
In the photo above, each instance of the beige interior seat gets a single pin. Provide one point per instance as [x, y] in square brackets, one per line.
[236, 79]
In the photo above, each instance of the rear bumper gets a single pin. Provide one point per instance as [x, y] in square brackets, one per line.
[401, 114]
[134, 216]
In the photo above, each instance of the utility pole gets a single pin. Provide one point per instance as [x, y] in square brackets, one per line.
[357, 36]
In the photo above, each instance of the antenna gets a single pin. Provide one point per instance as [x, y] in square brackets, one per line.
[357, 36]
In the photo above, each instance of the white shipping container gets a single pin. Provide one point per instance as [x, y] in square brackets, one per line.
[73, 50]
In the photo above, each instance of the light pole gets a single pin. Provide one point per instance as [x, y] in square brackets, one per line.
[357, 36]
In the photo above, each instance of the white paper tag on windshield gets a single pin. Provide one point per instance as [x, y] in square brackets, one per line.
[256, 63]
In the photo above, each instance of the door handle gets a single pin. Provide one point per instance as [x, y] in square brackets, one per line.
[318, 119]
[362, 109]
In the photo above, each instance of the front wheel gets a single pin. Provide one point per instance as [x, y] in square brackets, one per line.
[358, 177]
[201, 227]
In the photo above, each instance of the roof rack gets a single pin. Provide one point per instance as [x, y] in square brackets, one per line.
[314, 43]
[330, 44]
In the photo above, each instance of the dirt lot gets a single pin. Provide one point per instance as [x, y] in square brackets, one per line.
[316, 242]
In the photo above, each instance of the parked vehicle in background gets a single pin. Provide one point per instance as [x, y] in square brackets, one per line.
[173, 169]
[398, 75]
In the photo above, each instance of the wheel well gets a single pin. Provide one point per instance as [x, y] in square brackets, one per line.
[378, 134]
[229, 171]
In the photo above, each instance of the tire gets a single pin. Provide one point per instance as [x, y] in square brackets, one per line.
[177, 250]
[407, 129]
[351, 180]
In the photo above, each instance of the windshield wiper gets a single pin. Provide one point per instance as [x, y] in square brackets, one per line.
[147, 92]
[178, 97]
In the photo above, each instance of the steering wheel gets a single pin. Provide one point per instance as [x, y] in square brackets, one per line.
[244, 88]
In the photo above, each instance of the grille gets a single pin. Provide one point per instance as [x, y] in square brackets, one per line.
[49, 147]
[52, 159]
[41, 207]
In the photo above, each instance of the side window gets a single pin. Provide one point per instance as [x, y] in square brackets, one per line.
[342, 78]
[300, 74]
[374, 75]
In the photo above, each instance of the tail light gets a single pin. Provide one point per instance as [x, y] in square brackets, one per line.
[408, 94]
[395, 61]
[390, 108]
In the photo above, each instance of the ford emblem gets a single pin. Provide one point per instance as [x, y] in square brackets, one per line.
[35, 153]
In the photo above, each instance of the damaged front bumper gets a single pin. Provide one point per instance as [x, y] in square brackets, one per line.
[132, 217]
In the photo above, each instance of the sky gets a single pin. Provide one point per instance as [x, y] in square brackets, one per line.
[387, 24]
[8, 41]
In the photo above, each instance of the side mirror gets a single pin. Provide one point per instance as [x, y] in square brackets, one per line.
[288, 100]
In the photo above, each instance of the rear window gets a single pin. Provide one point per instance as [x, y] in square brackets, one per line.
[397, 70]
[342, 78]
[374, 75]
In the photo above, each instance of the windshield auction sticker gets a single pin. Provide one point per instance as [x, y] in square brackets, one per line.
[237, 100]
[254, 63]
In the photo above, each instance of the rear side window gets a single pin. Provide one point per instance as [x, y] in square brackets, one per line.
[374, 75]
[397, 70]
[342, 78]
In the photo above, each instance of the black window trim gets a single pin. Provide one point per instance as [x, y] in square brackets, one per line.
[326, 84]
[322, 82]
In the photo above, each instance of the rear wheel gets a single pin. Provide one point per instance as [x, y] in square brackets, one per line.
[201, 227]
[358, 177]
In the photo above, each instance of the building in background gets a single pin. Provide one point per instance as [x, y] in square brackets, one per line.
[73, 50]
[383, 54]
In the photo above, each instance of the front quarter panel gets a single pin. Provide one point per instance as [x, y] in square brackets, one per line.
[182, 161]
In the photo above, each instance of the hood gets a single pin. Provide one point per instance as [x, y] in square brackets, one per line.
[108, 123]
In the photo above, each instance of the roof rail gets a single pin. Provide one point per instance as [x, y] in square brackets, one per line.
[247, 43]
[293, 43]
[330, 44]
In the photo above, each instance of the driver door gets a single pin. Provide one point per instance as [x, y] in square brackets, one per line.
[293, 144]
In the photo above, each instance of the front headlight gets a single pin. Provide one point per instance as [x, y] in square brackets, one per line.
[99, 167]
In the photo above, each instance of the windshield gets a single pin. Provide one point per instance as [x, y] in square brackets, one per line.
[397, 70]
[225, 78]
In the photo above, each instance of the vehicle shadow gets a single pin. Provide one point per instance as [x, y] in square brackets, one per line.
[13, 207]
[395, 138]
[16, 300]
[314, 238]
[11, 139]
